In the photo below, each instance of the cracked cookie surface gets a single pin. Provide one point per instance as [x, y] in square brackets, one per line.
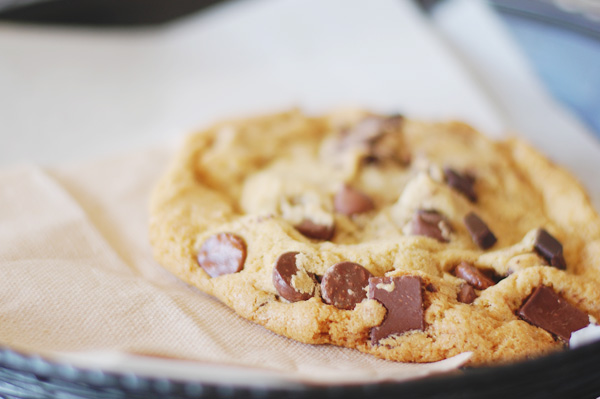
[408, 240]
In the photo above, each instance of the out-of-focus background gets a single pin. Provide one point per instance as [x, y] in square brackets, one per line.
[562, 41]
[52, 50]
[560, 37]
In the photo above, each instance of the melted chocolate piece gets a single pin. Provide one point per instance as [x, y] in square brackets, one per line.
[466, 294]
[386, 146]
[343, 285]
[473, 276]
[548, 310]
[431, 224]
[283, 272]
[461, 183]
[393, 123]
[370, 129]
[365, 132]
[431, 288]
[317, 231]
[222, 253]
[349, 201]
[376, 135]
[480, 232]
[550, 249]
[401, 296]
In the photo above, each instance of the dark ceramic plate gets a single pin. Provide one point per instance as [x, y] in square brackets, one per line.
[567, 374]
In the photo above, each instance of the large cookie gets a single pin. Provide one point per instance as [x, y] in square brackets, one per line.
[407, 240]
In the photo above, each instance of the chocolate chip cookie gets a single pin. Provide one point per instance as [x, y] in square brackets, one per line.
[408, 240]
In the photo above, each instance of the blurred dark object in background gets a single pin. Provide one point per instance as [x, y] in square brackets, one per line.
[99, 12]
[567, 14]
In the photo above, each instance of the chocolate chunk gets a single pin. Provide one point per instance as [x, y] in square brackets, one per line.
[317, 231]
[370, 129]
[431, 224]
[548, 310]
[480, 232]
[349, 201]
[390, 143]
[283, 279]
[431, 288]
[379, 137]
[401, 296]
[364, 132]
[461, 183]
[222, 253]
[343, 285]
[550, 249]
[473, 276]
[393, 123]
[466, 294]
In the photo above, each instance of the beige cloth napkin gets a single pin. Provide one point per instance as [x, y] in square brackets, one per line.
[79, 284]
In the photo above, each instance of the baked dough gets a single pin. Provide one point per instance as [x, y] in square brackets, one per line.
[408, 240]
